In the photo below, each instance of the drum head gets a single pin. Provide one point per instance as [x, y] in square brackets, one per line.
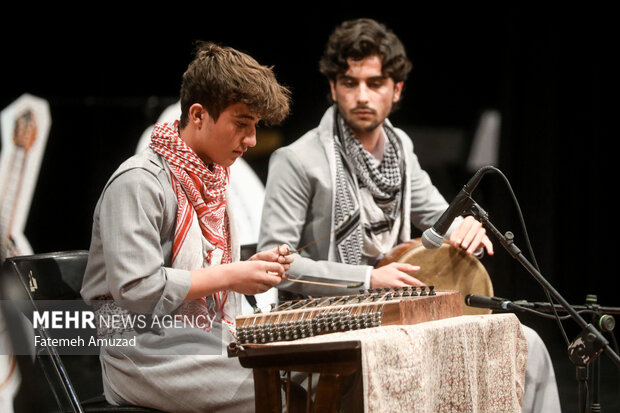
[449, 268]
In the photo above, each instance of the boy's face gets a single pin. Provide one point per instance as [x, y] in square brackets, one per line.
[225, 140]
[364, 95]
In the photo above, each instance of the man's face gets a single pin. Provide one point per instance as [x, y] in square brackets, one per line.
[225, 140]
[364, 95]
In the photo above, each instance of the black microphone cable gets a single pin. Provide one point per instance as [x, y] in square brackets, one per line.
[529, 247]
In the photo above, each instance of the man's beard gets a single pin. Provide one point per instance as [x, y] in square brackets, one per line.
[359, 127]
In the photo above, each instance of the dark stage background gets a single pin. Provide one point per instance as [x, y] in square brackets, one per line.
[108, 75]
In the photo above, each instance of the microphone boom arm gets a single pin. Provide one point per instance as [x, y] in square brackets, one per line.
[590, 334]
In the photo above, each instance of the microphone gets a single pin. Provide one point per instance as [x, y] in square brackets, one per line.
[493, 303]
[433, 237]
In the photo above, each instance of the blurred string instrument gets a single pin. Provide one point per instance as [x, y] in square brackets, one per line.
[24, 135]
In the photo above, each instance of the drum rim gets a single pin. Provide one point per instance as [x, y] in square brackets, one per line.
[480, 271]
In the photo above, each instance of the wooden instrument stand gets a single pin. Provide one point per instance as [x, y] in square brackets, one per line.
[334, 361]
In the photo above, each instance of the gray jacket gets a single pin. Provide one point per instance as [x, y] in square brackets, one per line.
[298, 207]
[130, 261]
[133, 231]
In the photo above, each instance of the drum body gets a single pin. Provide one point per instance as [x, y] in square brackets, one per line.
[447, 268]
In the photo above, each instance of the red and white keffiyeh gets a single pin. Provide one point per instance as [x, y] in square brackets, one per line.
[200, 192]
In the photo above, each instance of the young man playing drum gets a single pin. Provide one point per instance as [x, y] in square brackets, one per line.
[350, 189]
[359, 169]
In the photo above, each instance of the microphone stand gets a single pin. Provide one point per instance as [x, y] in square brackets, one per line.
[597, 315]
[600, 316]
[590, 342]
[546, 307]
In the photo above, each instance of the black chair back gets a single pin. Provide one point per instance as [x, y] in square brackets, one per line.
[35, 278]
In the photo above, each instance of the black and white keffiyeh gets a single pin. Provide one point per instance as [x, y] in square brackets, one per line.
[356, 168]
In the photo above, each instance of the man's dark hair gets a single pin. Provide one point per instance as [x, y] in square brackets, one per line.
[222, 76]
[360, 38]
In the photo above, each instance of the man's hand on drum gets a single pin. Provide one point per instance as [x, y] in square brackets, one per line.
[394, 274]
[471, 236]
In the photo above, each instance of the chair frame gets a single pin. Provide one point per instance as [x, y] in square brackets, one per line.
[14, 286]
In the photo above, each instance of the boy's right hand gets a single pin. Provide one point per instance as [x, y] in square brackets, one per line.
[253, 277]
